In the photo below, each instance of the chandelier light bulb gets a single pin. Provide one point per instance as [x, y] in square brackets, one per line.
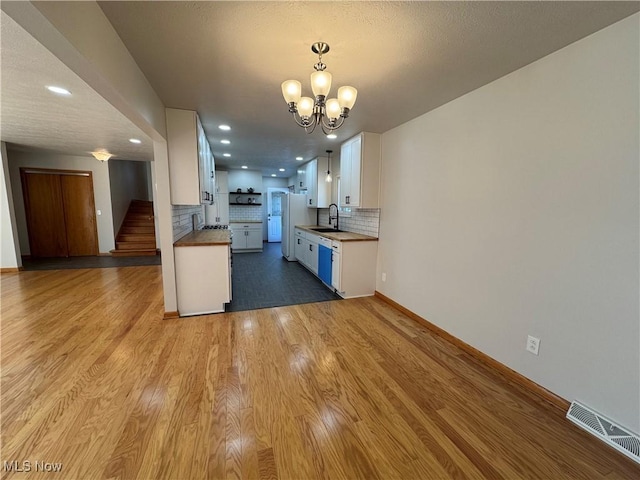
[347, 97]
[321, 83]
[333, 108]
[305, 106]
[291, 91]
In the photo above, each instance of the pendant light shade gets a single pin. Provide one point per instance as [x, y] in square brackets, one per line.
[328, 178]
[305, 106]
[347, 97]
[321, 83]
[292, 90]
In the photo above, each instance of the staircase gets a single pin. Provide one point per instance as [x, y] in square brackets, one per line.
[137, 235]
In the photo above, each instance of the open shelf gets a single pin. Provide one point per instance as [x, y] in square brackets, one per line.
[245, 204]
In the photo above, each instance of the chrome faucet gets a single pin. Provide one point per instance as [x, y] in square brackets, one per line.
[332, 217]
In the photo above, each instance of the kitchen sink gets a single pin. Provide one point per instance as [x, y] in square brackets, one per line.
[326, 230]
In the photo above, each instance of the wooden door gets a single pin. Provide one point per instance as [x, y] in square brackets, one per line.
[45, 214]
[79, 214]
[60, 212]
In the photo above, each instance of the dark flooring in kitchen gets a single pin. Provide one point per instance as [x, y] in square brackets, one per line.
[63, 263]
[263, 280]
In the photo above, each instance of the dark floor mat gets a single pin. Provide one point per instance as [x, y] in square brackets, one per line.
[89, 262]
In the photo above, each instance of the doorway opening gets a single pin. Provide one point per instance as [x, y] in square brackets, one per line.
[275, 200]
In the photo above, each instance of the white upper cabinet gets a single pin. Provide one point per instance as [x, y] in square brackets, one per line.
[222, 182]
[360, 171]
[301, 179]
[318, 191]
[191, 163]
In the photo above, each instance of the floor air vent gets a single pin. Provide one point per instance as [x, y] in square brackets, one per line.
[606, 430]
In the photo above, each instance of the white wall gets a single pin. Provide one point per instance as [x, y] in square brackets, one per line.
[129, 181]
[101, 190]
[245, 179]
[514, 210]
[10, 256]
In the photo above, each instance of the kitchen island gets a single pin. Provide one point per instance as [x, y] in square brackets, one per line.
[203, 271]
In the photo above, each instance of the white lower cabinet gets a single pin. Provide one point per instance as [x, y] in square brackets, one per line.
[203, 278]
[353, 263]
[312, 258]
[306, 249]
[247, 237]
[335, 265]
[353, 271]
[300, 246]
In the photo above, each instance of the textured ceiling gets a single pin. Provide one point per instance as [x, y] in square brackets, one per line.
[34, 118]
[226, 60]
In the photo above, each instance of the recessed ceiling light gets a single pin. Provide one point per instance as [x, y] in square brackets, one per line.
[281, 169]
[298, 158]
[135, 140]
[332, 136]
[273, 174]
[58, 90]
[245, 167]
[226, 154]
[226, 142]
[224, 127]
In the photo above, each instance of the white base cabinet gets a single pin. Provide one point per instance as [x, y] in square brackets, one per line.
[353, 264]
[247, 237]
[353, 270]
[306, 249]
[203, 279]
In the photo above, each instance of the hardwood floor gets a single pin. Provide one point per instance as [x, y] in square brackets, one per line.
[93, 378]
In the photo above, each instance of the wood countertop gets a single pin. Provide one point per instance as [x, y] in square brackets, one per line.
[338, 236]
[203, 238]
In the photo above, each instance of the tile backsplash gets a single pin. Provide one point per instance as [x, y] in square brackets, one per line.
[361, 220]
[182, 223]
[242, 213]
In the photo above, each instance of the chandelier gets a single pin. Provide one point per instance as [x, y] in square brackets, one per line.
[309, 113]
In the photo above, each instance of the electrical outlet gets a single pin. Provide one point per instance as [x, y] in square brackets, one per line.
[384, 277]
[99, 212]
[533, 344]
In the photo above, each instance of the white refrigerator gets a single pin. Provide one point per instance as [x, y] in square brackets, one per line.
[294, 212]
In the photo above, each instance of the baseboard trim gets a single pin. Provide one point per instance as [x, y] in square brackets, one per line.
[510, 375]
[11, 269]
[171, 315]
